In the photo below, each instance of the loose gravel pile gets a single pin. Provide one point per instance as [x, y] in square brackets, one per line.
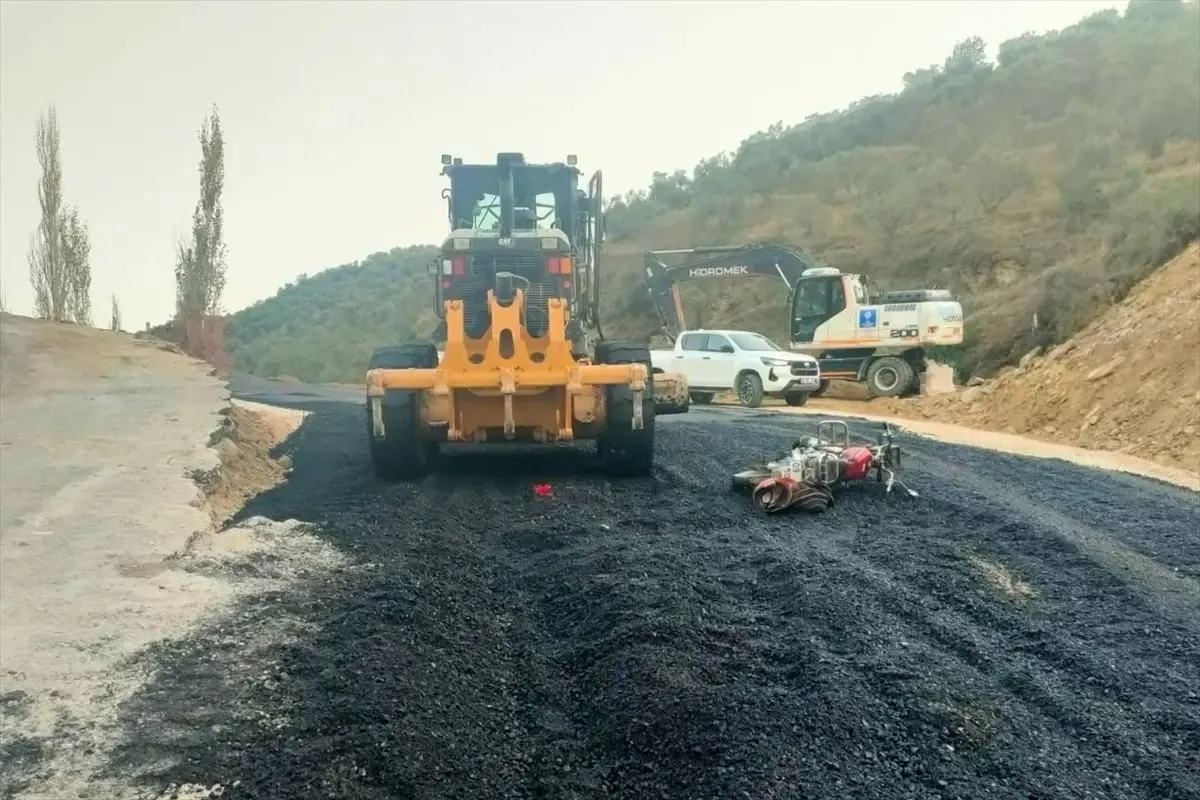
[1024, 630]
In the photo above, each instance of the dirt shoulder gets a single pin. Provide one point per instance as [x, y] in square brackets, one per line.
[1128, 384]
[102, 437]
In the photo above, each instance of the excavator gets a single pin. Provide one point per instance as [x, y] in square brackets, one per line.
[523, 357]
[878, 341]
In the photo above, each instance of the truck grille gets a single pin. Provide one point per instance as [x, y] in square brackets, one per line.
[805, 368]
[482, 276]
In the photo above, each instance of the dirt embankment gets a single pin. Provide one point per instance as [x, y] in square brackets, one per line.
[1129, 382]
[104, 439]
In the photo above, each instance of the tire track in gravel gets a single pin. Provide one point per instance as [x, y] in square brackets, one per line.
[662, 639]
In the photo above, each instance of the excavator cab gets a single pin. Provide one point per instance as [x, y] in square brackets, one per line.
[820, 296]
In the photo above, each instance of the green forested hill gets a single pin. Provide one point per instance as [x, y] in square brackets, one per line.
[322, 328]
[1039, 187]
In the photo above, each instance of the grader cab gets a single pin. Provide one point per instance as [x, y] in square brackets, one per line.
[522, 360]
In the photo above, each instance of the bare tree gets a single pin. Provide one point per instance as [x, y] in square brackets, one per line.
[59, 250]
[115, 321]
[76, 251]
[995, 176]
[51, 287]
[200, 266]
[890, 211]
[200, 263]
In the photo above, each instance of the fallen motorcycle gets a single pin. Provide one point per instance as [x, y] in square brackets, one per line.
[817, 465]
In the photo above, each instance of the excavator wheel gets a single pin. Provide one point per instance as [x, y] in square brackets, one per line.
[889, 377]
[402, 453]
[625, 452]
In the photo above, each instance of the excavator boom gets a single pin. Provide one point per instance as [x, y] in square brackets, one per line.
[732, 262]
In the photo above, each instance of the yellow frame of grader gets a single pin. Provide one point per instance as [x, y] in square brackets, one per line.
[472, 389]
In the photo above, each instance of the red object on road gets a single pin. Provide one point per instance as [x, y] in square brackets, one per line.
[856, 463]
[542, 490]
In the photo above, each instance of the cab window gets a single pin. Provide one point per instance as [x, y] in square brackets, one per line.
[693, 342]
[838, 298]
[715, 343]
[812, 298]
[819, 298]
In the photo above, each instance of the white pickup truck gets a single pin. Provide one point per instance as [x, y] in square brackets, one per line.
[746, 363]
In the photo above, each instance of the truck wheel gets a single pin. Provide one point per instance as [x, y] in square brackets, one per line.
[796, 398]
[821, 389]
[702, 398]
[889, 377]
[402, 453]
[750, 389]
[625, 452]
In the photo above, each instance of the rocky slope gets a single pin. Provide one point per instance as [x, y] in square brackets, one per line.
[1129, 382]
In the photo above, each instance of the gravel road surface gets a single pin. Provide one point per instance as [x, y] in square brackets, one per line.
[1026, 629]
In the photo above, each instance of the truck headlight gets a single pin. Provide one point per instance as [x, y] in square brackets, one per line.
[774, 362]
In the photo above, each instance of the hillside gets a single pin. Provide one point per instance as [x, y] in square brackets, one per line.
[1038, 189]
[1129, 382]
[322, 328]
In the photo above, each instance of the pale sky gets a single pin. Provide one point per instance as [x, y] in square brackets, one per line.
[336, 113]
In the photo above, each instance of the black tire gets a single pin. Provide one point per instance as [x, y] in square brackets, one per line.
[625, 452]
[796, 398]
[749, 389]
[814, 499]
[821, 389]
[702, 398]
[889, 377]
[403, 453]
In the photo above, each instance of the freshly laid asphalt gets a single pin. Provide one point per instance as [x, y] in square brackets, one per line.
[1024, 629]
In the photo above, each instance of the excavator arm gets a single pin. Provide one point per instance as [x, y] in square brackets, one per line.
[737, 262]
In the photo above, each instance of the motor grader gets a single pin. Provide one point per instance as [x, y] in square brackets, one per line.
[522, 356]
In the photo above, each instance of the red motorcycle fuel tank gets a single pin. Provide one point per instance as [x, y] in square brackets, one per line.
[856, 463]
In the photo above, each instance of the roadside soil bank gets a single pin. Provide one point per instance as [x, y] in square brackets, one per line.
[1128, 384]
[243, 444]
[102, 436]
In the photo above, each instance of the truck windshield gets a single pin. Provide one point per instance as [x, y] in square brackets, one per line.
[753, 342]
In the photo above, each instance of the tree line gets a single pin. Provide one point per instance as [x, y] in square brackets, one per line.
[59, 255]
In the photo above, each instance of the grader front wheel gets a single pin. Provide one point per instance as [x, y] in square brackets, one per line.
[402, 452]
[624, 451]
